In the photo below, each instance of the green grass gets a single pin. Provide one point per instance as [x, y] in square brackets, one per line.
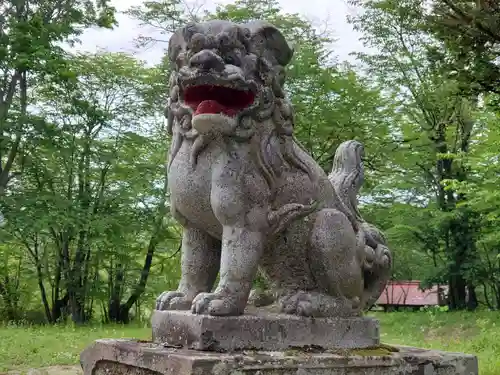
[33, 347]
[475, 333]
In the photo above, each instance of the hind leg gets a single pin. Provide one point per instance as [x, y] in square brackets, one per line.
[315, 304]
[200, 261]
[377, 276]
[334, 249]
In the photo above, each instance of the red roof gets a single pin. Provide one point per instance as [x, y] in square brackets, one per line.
[408, 293]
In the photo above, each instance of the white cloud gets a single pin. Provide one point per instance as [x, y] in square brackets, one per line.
[121, 38]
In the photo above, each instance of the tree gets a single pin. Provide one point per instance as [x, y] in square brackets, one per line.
[434, 131]
[30, 37]
[470, 34]
[470, 31]
[93, 191]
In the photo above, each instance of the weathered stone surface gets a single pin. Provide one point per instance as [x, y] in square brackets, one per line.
[248, 195]
[113, 357]
[435, 362]
[262, 331]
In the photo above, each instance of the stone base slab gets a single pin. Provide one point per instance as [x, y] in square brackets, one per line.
[129, 357]
[262, 331]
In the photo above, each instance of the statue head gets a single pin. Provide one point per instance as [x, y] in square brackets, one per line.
[227, 80]
[225, 75]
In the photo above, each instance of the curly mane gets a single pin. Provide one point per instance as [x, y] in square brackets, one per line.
[277, 146]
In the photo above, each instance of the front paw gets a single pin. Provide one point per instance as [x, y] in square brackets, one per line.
[215, 304]
[173, 301]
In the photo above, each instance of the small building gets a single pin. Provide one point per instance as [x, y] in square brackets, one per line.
[408, 294]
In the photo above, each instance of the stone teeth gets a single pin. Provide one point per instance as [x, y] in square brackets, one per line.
[235, 82]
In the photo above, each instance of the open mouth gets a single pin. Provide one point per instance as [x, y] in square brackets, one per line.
[212, 99]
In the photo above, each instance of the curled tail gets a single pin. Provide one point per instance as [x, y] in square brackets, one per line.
[347, 177]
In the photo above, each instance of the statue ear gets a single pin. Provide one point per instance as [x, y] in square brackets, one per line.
[267, 41]
[179, 40]
[175, 45]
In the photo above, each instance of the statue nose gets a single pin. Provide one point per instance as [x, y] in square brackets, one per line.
[207, 60]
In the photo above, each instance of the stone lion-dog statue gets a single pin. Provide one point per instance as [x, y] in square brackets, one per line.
[248, 196]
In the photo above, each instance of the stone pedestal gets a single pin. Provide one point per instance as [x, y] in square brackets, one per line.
[127, 357]
[262, 331]
[264, 343]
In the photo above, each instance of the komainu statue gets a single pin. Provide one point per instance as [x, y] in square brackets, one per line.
[248, 196]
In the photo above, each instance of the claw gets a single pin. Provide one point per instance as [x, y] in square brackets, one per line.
[215, 304]
[315, 305]
[201, 302]
[172, 301]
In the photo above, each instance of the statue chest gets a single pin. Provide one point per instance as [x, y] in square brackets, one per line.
[190, 188]
[221, 187]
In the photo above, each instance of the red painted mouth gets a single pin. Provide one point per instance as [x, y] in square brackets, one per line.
[217, 99]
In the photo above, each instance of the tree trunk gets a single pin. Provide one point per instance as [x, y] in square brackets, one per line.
[457, 292]
[6, 100]
[114, 308]
[121, 314]
[43, 293]
[58, 308]
[10, 300]
[472, 302]
[77, 289]
[497, 295]
[463, 256]
[58, 304]
[120, 311]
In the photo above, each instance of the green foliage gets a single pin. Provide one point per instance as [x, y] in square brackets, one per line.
[90, 204]
[30, 52]
[462, 332]
[83, 185]
[25, 347]
[442, 121]
[471, 33]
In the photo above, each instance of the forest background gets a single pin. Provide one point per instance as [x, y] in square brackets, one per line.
[86, 232]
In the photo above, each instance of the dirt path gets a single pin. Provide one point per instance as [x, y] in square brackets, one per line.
[52, 370]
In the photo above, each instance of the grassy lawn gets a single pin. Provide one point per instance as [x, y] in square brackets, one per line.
[34, 347]
[476, 333]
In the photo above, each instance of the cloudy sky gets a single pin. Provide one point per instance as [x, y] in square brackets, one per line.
[121, 38]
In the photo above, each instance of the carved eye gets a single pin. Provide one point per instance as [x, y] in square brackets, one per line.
[180, 60]
[197, 43]
[232, 58]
